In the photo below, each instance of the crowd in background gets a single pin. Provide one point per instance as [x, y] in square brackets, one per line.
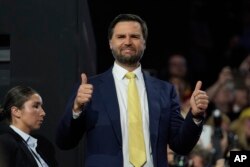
[227, 121]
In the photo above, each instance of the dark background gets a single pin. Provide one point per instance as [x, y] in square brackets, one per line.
[202, 30]
[52, 42]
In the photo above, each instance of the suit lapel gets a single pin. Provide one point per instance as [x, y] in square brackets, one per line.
[24, 147]
[107, 88]
[153, 95]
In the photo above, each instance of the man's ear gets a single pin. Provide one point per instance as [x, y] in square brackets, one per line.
[110, 45]
[15, 111]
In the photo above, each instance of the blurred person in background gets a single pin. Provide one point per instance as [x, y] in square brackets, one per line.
[241, 127]
[199, 157]
[221, 92]
[176, 72]
[240, 100]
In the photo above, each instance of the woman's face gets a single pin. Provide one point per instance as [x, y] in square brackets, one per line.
[31, 114]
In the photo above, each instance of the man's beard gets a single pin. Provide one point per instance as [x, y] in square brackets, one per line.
[127, 60]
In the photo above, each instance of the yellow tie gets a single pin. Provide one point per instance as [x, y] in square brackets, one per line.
[137, 151]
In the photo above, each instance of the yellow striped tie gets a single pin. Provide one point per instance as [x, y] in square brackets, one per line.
[137, 151]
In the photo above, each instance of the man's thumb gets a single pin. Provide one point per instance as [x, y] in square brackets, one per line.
[84, 78]
[198, 86]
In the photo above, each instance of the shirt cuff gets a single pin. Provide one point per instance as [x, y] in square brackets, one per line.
[75, 115]
[197, 121]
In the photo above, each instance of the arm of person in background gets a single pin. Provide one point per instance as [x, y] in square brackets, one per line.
[245, 65]
[224, 76]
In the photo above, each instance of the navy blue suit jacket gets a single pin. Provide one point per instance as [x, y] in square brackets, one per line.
[100, 123]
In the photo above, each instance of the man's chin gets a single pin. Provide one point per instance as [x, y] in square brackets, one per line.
[128, 60]
[129, 63]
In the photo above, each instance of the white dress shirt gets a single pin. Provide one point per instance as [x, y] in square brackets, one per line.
[121, 84]
[31, 143]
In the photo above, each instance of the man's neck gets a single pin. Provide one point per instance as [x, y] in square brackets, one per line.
[128, 67]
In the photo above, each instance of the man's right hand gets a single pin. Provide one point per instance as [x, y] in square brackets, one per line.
[83, 95]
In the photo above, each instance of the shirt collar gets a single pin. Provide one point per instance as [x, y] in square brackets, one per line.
[31, 141]
[119, 72]
[24, 135]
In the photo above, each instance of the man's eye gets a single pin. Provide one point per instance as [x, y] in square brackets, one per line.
[136, 36]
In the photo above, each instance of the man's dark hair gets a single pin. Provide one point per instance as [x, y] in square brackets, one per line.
[128, 17]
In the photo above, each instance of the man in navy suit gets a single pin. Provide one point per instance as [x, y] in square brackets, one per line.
[97, 108]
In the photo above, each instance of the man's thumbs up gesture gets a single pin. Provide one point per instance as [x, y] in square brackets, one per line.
[199, 101]
[83, 95]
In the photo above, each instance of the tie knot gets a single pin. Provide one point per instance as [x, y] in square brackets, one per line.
[130, 75]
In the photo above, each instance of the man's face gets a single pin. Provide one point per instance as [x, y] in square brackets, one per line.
[127, 43]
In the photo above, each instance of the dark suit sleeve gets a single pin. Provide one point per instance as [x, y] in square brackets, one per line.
[184, 133]
[70, 131]
[8, 151]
